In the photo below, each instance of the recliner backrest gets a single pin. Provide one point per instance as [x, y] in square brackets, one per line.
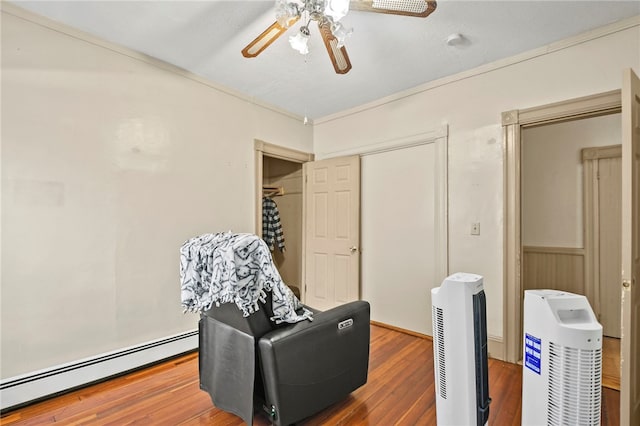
[257, 324]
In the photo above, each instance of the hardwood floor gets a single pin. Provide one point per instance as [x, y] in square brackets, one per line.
[611, 363]
[400, 391]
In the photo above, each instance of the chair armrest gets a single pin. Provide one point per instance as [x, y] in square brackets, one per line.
[313, 364]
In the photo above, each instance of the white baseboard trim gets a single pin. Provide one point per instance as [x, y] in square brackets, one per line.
[19, 390]
[495, 347]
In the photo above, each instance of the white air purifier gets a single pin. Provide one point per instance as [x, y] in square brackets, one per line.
[562, 360]
[460, 351]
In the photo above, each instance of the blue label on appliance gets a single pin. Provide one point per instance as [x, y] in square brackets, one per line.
[532, 351]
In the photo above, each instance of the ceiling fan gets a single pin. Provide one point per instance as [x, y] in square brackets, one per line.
[327, 13]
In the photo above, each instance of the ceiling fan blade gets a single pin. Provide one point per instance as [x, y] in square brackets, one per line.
[269, 35]
[418, 8]
[338, 55]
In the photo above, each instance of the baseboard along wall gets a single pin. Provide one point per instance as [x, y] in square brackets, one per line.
[495, 346]
[27, 388]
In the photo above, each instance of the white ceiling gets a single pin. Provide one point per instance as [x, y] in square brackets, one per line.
[389, 53]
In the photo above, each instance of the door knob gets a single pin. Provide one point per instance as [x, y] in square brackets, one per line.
[353, 249]
[626, 283]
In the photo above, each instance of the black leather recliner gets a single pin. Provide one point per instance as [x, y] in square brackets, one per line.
[290, 371]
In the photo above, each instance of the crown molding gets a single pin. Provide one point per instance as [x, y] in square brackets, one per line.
[594, 34]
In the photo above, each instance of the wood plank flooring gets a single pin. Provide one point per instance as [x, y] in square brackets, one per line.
[611, 363]
[400, 391]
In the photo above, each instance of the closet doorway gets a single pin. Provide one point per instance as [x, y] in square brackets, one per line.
[279, 177]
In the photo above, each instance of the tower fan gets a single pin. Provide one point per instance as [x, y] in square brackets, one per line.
[460, 351]
[562, 360]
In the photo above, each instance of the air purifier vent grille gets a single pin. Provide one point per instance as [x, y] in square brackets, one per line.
[438, 320]
[574, 385]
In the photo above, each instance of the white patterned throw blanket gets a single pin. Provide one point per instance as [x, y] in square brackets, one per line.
[227, 267]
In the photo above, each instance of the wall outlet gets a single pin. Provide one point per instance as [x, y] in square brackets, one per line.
[475, 228]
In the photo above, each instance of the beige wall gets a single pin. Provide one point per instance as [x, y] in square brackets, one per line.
[110, 161]
[471, 104]
[552, 178]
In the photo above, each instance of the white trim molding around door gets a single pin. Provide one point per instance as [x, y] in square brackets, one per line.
[512, 123]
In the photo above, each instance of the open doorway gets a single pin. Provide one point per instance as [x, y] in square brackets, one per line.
[514, 122]
[279, 178]
[627, 101]
[282, 188]
[571, 212]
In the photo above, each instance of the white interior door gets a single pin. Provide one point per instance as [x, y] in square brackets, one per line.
[630, 340]
[609, 215]
[332, 213]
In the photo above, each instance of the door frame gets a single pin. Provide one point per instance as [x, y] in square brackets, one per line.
[264, 149]
[512, 124]
[591, 214]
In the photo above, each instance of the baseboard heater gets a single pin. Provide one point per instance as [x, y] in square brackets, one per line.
[28, 388]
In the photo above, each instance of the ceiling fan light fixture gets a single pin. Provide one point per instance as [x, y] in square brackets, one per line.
[336, 9]
[286, 10]
[327, 14]
[300, 41]
[340, 32]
